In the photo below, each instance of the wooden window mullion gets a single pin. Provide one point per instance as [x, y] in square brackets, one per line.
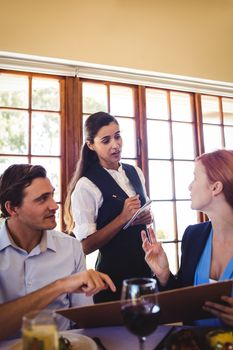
[221, 122]
[142, 134]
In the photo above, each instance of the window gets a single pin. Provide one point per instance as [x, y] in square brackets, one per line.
[217, 115]
[31, 120]
[164, 134]
[171, 152]
[163, 130]
[117, 100]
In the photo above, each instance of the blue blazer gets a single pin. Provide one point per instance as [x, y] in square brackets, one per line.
[193, 244]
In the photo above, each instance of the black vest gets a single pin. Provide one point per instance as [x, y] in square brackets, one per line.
[123, 256]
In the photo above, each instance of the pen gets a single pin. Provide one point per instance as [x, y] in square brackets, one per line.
[148, 234]
[118, 198]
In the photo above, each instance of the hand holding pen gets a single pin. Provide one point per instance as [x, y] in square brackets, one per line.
[131, 205]
[145, 218]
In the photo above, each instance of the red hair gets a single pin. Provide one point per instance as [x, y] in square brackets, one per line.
[219, 167]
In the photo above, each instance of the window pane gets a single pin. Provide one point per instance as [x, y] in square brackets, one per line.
[181, 106]
[228, 132]
[179, 252]
[46, 133]
[94, 98]
[170, 250]
[52, 166]
[183, 177]
[5, 162]
[13, 132]
[227, 105]
[185, 216]
[164, 220]
[210, 109]
[158, 139]
[83, 124]
[127, 128]
[212, 137]
[156, 104]
[13, 91]
[121, 101]
[45, 94]
[183, 142]
[160, 179]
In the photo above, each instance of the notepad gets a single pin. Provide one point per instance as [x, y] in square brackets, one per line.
[138, 212]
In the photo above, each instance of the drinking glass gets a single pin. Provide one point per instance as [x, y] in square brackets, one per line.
[139, 307]
[39, 331]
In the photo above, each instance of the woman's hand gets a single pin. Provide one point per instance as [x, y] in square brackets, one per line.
[131, 205]
[89, 282]
[223, 312]
[145, 218]
[155, 257]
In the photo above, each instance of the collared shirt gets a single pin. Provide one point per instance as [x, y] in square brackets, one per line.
[58, 255]
[86, 200]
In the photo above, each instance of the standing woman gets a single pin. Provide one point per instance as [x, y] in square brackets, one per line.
[207, 248]
[102, 196]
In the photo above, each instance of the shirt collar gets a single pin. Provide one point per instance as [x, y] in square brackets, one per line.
[119, 170]
[47, 241]
[5, 239]
[50, 240]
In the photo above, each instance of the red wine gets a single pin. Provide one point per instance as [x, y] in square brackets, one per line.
[141, 320]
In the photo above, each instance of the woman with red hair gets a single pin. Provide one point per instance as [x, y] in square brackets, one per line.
[207, 248]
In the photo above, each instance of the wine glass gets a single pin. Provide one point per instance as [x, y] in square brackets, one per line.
[139, 307]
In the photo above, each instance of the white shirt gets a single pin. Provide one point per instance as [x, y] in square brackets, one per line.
[86, 200]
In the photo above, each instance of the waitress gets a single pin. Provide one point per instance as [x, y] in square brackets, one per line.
[103, 195]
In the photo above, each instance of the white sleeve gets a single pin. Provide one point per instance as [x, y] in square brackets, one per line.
[142, 178]
[86, 200]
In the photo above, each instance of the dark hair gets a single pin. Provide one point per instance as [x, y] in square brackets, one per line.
[92, 125]
[87, 157]
[13, 182]
[219, 167]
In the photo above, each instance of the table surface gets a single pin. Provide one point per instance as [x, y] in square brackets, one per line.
[113, 338]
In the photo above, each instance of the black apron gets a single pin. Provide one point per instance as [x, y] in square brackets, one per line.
[123, 256]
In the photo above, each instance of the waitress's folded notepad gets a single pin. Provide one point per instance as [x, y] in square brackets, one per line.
[138, 212]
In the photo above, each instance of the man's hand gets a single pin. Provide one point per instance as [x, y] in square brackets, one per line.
[89, 282]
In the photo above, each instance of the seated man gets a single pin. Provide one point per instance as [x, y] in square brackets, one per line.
[39, 267]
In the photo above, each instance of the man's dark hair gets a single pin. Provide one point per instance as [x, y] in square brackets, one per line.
[13, 182]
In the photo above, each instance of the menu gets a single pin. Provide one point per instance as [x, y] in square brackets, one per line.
[177, 305]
